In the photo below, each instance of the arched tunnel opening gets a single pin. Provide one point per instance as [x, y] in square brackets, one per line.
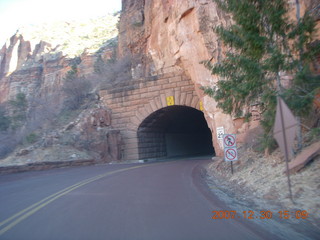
[174, 131]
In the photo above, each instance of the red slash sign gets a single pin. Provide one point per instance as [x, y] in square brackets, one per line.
[229, 140]
[231, 154]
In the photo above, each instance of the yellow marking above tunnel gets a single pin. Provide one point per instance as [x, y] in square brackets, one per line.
[200, 106]
[170, 101]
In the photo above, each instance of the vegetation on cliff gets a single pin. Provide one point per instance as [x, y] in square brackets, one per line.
[264, 46]
[76, 89]
[113, 71]
[19, 107]
[32, 113]
[4, 120]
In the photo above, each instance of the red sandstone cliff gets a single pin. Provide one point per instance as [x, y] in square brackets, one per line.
[162, 36]
[38, 69]
[36, 58]
[176, 35]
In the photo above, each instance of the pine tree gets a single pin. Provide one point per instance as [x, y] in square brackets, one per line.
[263, 44]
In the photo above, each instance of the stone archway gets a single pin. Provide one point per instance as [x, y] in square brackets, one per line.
[174, 131]
[132, 102]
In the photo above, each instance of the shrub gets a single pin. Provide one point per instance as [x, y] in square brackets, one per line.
[113, 71]
[4, 120]
[31, 138]
[76, 89]
[19, 110]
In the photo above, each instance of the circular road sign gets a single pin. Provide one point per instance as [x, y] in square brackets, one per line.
[229, 140]
[231, 154]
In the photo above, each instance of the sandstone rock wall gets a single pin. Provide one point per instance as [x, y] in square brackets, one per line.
[176, 35]
[163, 38]
[38, 69]
[29, 68]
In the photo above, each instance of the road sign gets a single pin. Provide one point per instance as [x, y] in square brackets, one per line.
[201, 106]
[284, 132]
[230, 154]
[229, 140]
[285, 128]
[230, 147]
[220, 132]
[170, 101]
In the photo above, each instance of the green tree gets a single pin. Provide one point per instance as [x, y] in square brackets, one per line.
[263, 44]
[19, 109]
[4, 120]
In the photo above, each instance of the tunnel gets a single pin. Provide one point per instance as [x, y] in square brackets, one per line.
[174, 131]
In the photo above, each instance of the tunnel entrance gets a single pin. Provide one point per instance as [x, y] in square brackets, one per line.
[174, 131]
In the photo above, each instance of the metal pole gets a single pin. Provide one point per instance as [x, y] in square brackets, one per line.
[286, 148]
[231, 167]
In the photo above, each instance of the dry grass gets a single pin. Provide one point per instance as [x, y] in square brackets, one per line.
[263, 181]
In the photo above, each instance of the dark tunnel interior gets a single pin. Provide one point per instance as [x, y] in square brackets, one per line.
[173, 132]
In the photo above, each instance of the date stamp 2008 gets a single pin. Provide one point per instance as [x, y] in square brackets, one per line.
[265, 214]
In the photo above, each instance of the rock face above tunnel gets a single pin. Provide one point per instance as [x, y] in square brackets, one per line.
[175, 36]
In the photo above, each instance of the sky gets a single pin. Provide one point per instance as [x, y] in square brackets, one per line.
[17, 13]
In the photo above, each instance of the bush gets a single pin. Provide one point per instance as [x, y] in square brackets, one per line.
[76, 89]
[113, 71]
[31, 138]
[4, 120]
[8, 142]
[312, 135]
[19, 110]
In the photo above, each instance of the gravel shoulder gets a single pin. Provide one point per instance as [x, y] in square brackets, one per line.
[259, 183]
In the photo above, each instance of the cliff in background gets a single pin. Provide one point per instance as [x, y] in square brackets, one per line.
[159, 36]
[36, 62]
[36, 58]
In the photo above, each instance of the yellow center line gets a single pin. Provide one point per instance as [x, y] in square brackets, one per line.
[43, 200]
[27, 212]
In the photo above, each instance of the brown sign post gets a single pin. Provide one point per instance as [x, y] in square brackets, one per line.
[230, 149]
[284, 132]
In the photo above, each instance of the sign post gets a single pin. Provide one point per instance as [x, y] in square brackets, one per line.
[230, 149]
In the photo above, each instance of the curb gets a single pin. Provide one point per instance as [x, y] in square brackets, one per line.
[45, 166]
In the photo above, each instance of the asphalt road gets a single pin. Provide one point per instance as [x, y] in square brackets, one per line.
[166, 200]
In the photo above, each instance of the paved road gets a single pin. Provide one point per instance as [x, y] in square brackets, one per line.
[166, 200]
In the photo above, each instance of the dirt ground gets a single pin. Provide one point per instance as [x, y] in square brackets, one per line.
[259, 183]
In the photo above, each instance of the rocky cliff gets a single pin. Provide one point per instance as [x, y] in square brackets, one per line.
[36, 62]
[36, 58]
[176, 35]
[161, 37]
